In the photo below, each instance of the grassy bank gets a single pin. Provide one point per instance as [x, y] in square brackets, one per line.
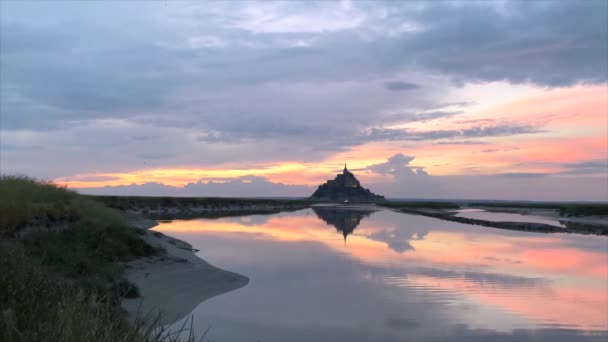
[61, 270]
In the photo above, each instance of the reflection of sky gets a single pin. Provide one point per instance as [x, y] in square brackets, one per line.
[398, 276]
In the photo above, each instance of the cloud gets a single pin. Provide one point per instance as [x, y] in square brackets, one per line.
[246, 186]
[462, 142]
[400, 86]
[522, 174]
[421, 117]
[503, 149]
[399, 167]
[392, 134]
[409, 181]
[599, 166]
[259, 82]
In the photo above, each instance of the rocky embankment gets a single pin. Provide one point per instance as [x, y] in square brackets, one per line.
[571, 227]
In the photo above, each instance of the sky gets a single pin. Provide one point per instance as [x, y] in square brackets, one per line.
[436, 99]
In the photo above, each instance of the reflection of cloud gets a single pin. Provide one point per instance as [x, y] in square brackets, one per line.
[398, 239]
[401, 323]
[250, 220]
[463, 333]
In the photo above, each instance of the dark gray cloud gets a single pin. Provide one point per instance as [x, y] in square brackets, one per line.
[522, 174]
[400, 86]
[503, 149]
[599, 166]
[421, 117]
[53, 71]
[391, 134]
[461, 142]
[525, 42]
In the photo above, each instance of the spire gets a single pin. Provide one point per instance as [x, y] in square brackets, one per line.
[345, 169]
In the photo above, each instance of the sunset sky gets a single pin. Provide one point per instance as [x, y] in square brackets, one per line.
[460, 99]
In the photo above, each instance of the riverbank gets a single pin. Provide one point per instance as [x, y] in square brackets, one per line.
[570, 227]
[553, 214]
[68, 263]
[172, 285]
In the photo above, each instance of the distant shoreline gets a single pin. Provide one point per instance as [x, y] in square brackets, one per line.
[579, 218]
[571, 227]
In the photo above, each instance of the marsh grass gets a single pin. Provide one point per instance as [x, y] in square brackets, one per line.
[64, 282]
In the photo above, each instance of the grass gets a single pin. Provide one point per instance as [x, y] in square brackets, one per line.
[25, 200]
[61, 270]
[419, 205]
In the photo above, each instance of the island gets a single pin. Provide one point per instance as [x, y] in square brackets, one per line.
[345, 188]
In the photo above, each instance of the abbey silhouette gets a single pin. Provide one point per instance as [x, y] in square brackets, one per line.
[345, 188]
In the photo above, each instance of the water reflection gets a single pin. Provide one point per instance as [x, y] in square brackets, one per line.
[400, 277]
[343, 218]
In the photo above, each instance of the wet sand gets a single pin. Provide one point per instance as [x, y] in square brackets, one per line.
[172, 285]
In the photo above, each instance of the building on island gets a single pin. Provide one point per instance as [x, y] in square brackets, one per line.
[345, 188]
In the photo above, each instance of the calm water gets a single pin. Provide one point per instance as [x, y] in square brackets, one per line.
[331, 275]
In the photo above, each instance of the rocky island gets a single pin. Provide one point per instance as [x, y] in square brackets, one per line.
[345, 188]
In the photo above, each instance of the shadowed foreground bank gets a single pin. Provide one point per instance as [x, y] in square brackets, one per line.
[62, 267]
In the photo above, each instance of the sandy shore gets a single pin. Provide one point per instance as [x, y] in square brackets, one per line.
[174, 284]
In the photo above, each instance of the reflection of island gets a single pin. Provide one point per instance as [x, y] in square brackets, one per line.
[345, 220]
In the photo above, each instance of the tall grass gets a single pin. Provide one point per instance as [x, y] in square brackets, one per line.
[61, 271]
[25, 200]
